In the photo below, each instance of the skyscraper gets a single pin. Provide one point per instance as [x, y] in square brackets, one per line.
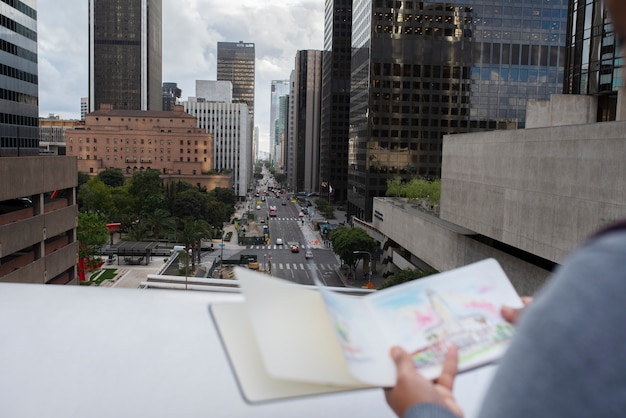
[235, 63]
[306, 121]
[38, 209]
[19, 119]
[421, 70]
[336, 97]
[171, 93]
[594, 59]
[280, 88]
[125, 54]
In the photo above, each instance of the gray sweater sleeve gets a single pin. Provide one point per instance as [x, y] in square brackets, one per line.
[428, 410]
[568, 358]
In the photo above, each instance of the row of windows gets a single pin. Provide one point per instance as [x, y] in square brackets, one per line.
[141, 141]
[417, 70]
[421, 18]
[13, 119]
[18, 74]
[396, 4]
[16, 96]
[18, 51]
[19, 142]
[183, 120]
[421, 31]
[27, 10]
[13, 26]
[142, 160]
[134, 150]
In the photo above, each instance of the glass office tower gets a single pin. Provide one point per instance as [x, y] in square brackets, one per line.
[125, 54]
[336, 99]
[19, 102]
[594, 59]
[235, 63]
[422, 69]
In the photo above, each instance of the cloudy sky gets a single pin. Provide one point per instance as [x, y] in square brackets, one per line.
[191, 30]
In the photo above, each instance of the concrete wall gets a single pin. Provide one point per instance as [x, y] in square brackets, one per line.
[23, 237]
[445, 246]
[561, 110]
[26, 176]
[541, 190]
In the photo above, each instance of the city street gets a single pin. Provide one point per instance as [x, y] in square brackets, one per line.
[278, 259]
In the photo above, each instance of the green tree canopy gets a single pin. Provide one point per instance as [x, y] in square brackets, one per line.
[92, 234]
[348, 240]
[82, 179]
[112, 177]
[224, 195]
[406, 275]
[190, 204]
[95, 197]
[144, 184]
[415, 189]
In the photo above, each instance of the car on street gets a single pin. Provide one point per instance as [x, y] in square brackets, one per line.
[295, 249]
[258, 207]
[279, 241]
[308, 254]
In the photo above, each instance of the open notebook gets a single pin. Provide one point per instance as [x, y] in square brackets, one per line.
[286, 340]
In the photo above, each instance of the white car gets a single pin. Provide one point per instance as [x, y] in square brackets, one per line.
[258, 207]
[279, 241]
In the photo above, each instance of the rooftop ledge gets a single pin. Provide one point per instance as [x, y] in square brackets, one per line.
[74, 351]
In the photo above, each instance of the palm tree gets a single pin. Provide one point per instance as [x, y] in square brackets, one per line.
[159, 221]
[193, 231]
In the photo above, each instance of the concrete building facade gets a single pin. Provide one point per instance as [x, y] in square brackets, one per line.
[229, 126]
[169, 142]
[38, 216]
[52, 134]
[525, 197]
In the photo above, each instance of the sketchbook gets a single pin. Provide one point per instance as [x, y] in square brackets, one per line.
[287, 340]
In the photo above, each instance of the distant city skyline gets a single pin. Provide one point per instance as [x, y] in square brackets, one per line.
[190, 41]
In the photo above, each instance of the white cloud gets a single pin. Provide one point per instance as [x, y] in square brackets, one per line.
[191, 30]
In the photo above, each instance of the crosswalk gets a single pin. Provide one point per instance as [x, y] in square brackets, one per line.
[272, 247]
[284, 219]
[303, 266]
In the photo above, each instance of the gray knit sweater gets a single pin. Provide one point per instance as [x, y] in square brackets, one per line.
[568, 357]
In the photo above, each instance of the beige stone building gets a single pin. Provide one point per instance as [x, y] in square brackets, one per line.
[131, 140]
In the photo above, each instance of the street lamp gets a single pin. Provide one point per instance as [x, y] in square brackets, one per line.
[369, 280]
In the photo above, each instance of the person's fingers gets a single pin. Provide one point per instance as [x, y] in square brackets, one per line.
[403, 361]
[512, 314]
[450, 368]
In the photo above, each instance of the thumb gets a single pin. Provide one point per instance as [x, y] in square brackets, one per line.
[402, 359]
